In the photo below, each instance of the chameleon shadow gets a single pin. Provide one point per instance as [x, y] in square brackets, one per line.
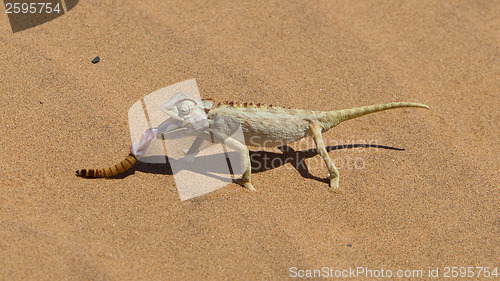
[297, 158]
[261, 161]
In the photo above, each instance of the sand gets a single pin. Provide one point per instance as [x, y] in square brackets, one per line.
[433, 205]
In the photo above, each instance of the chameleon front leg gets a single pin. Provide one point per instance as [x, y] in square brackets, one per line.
[190, 153]
[320, 147]
[245, 157]
[194, 149]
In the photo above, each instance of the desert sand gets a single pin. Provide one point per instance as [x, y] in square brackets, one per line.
[431, 203]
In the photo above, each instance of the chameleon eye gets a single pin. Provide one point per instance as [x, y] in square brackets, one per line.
[185, 107]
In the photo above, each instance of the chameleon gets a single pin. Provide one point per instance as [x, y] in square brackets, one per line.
[262, 126]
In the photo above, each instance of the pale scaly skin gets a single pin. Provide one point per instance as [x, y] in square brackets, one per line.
[270, 126]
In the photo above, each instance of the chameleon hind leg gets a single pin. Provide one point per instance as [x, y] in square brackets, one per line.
[320, 147]
[245, 157]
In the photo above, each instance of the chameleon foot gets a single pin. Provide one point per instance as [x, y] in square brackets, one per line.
[249, 186]
[334, 184]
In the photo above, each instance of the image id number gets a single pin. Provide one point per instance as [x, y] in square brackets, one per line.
[470, 272]
[32, 8]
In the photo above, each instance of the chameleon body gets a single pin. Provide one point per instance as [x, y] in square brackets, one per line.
[262, 126]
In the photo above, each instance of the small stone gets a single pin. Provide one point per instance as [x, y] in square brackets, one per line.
[96, 60]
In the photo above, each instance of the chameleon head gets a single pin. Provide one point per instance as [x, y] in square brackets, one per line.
[183, 108]
[186, 116]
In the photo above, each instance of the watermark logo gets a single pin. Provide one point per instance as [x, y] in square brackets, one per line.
[25, 14]
[171, 125]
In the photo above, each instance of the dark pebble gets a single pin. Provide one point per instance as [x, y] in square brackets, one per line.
[96, 60]
[349, 245]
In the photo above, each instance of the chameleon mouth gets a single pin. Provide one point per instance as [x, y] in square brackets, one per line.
[175, 129]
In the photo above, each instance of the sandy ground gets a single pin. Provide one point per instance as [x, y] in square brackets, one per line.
[434, 204]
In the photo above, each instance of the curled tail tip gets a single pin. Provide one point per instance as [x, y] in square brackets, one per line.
[421, 105]
[415, 104]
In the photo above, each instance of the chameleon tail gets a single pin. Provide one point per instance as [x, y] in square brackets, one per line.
[336, 117]
[108, 172]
